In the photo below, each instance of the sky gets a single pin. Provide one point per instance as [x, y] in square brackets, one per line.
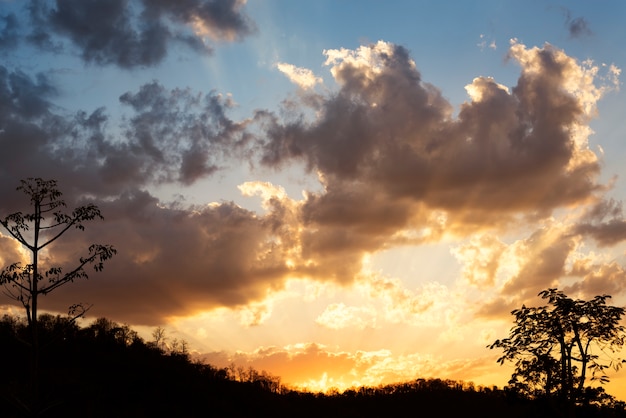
[340, 193]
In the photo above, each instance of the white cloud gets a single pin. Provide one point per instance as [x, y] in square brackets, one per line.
[255, 313]
[303, 77]
[338, 316]
[485, 43]
[481, 259]
[432, 304]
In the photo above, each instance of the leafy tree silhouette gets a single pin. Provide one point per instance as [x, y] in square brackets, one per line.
[106, 370]
[554, 346]
[35, 231]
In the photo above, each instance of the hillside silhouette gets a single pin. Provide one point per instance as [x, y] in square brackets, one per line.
[106, 370]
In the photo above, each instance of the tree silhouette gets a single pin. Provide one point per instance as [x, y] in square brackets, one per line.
[159, 338]
[35, 231]
[106, 370]
[554, 346]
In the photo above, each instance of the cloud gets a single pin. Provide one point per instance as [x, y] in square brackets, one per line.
[605, 233]
[483, 43]
[597, 279]
[542, 259]
[316, 367]
[303, 77]
[174, 262]
[481, 259]
[338, 316]
[135, 33]
[25, 97]
[527, 266]
[219, 20]
[10, 252]
[577, 27]
[604, 222]
[552, 256]
[30, 131]
[178, 135]
[429, 305]
[169, 136]
[254, 314]
[395, 166]
[8, 31]
[386, 128]
[380, 302]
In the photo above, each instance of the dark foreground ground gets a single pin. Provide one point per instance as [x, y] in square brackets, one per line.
[105, 370]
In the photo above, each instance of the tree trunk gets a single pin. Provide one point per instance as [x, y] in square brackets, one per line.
[34, 359]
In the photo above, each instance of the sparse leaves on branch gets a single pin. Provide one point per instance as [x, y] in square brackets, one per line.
[47, 224]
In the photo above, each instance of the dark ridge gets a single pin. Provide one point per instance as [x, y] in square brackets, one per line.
[107, 370]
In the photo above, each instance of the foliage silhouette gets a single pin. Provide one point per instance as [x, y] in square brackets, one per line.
[113, 372]
[554, 346]
[35, 231]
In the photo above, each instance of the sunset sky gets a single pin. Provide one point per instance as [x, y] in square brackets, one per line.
[340, 193]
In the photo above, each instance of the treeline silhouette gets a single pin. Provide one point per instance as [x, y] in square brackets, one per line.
[106, 370]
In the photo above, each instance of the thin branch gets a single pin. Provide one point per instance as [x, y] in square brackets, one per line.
[99, 251]
[41, 228]
[69, 225]
[16, 234]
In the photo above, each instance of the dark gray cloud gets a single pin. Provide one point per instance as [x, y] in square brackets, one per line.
[218, 19]
[577, 27]
[606, 233]
[104, 32]
[186, 135]
[25, 97]
[169, 136]
[9, 35]
[29, 128]
[135, 33]
[604, 222]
